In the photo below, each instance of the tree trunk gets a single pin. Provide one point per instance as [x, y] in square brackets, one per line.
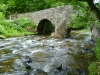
[93, 8]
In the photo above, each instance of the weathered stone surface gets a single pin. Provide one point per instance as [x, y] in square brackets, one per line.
[95, 32]
[59, 17]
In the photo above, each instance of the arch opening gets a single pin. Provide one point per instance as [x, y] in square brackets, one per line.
[45, 27]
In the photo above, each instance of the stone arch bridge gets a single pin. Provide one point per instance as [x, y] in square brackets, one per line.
[59, 17]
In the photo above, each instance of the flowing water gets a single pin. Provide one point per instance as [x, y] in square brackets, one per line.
[43, 55]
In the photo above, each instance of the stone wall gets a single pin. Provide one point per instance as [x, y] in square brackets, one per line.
[95, 32]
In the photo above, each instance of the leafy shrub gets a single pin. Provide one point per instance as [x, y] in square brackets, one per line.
[83, 18]
[94, 68]
[15, 27]
[1, 29]
[97, 50]
[3, 8]
[49, 28]
[2, 18]
[57, 4]
[78, 22]
[23, 22]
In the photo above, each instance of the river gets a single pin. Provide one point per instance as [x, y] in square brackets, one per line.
[43, 55]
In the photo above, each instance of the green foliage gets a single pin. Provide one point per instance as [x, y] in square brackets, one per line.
[2, 18]
[94, 68]
[23, 22]
[49, 28]
[24, 68]
[78, 22]
[15, 27]
[97, 50]
[3, 8]
[1, 29]
[22, 6]
[98, 5]
[57, 4]
[83, 18]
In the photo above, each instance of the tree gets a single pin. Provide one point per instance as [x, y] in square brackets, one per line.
[19, 6]
[84, 19]
[92, 6]
[23, 6]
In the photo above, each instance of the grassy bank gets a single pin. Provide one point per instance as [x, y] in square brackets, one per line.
[16, 27]
[94, 67]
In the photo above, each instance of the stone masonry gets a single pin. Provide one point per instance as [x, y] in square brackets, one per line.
[59, 17]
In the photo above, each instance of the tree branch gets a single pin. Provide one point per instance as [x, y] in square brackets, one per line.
[93, 8]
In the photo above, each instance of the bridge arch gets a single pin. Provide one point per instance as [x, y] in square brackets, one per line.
[59, 17]
[45, 27]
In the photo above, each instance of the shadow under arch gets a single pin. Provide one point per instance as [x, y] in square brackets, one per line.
[45, 27]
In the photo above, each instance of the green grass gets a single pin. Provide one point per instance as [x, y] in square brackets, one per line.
[15, 27]
[16, 33]
[94, 67]
[6, 31]
[84, 30]
[10, 32]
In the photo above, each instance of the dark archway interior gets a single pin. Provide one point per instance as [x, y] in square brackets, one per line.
[45, 27]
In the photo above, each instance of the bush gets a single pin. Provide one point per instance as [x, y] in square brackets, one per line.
[23, 22]
[94, 68]
[15, 27]
[78, 22]
[3, 8]
[97, 50]
[2, 18]
[1, 30]
[57, 4]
